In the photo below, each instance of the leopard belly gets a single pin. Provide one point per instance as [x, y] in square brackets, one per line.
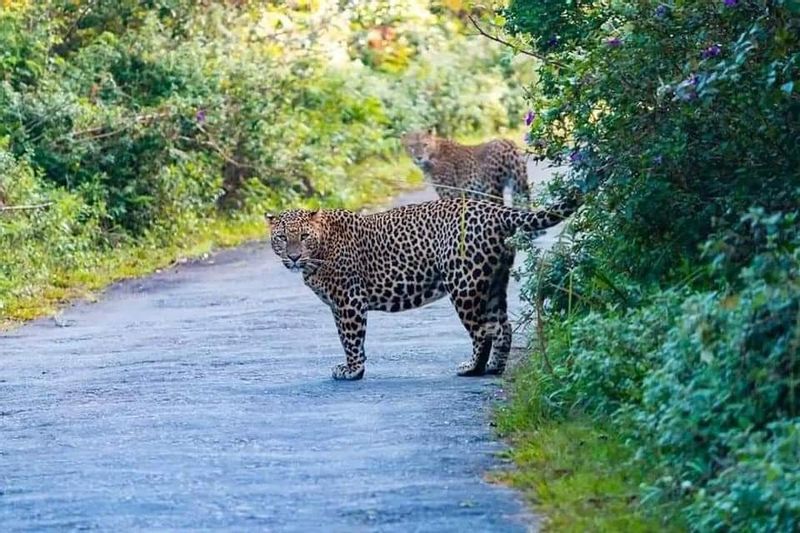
[402, 295]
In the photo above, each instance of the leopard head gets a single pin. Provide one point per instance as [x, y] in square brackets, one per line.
[422, 147]
[296, 238]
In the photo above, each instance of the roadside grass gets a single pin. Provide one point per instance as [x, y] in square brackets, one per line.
[66, 285]
[377, 180]
[574, 472]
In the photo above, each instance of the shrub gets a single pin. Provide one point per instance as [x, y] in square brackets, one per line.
[705, 381]
[687, 106]
[64, 230]
[673, 317]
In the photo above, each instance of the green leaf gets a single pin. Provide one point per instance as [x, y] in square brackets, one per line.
[787, 87]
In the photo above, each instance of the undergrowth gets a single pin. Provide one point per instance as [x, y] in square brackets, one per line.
[57, 280]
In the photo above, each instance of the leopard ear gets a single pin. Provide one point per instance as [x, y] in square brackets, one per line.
[315, 215]
[431, 130]
[271, 218]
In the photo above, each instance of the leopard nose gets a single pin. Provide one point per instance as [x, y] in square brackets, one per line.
[293, 257]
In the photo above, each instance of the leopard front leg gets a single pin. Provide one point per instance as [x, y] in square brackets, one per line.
[351, 322]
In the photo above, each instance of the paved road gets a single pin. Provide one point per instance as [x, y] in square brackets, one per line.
[201, 398]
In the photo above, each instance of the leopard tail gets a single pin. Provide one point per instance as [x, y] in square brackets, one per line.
[530, 221]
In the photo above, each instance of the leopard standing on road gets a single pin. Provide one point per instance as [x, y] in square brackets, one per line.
[481, 172]
[407, 257]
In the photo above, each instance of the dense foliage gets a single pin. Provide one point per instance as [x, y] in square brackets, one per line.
[674, 314]
[129, 123]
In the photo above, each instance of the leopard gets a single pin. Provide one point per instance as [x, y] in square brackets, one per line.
[481, 171]
[408, 257]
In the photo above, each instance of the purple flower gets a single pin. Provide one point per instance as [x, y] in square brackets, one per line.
[552, 42]
[731, 3]
[614, 42]
[529, 117]
[200, 117]
[712, 51]
[662, 11]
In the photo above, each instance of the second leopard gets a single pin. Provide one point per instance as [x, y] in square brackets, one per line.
[482, 171]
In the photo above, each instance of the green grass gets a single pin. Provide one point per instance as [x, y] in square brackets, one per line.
[573, 469]
[579, 477]
[382, 179]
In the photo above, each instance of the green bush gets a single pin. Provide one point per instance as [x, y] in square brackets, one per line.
[706, 382]
[721, 402]
[64, 232]
[680, 115]
[673, 316]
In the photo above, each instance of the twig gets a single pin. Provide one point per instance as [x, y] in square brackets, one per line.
[464, 190]
[540, 334]
[497, 39]
[219, 151]
[532, 207]
[24, 207]
[101, 132]
[98, 132]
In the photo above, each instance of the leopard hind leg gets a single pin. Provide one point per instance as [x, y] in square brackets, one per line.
[470, 300]
[497, 310]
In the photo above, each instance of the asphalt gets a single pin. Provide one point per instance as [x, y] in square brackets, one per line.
[200, 398]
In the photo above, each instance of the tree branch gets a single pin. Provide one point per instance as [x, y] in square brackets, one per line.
[63, 46]
[219, 151]
[497, 39]
[24, 207]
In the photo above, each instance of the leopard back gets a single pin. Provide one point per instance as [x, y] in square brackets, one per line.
[481, 172]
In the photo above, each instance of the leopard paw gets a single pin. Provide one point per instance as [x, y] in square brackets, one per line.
[495, 366]
[468, 368]
[495, 370]
[344, 372]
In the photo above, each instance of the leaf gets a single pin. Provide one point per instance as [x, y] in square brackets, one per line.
[787, 87]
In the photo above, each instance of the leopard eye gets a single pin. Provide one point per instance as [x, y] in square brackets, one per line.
[304, 236]
[280, 237]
